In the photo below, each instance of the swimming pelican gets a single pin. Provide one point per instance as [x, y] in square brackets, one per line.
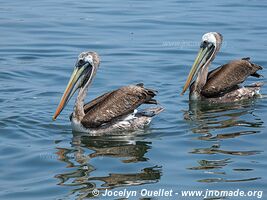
[112, 111]
[222, 83]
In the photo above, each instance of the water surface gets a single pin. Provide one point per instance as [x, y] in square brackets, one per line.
[187, 147]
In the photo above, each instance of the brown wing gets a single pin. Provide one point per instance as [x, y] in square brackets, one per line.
[94, 102]
[228, 76]
[116, 104]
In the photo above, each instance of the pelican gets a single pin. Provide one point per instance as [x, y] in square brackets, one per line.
[222, 83]
[112, 111]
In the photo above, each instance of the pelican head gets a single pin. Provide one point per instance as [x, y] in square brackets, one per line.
[210, 45]
[82, 76]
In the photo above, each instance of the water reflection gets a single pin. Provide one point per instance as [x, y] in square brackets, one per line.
[87, 150]
[209, 118]
[215, 125]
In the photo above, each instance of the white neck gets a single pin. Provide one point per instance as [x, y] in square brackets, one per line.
[78, 113]
[202, 76]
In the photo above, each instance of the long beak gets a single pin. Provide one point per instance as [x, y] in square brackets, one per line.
[73, 85]
[201, 59]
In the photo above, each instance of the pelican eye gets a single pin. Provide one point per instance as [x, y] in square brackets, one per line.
[204, 44]
[80, 62]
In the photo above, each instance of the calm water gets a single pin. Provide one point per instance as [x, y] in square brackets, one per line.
[155, 42]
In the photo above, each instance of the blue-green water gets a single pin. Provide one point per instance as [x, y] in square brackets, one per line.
[207, 147]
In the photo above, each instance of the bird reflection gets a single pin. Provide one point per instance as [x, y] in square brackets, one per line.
[206, 118]
[215, 124]
[86, 149]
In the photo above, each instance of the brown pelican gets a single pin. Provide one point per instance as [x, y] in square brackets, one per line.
[112, 111]
[222, 83]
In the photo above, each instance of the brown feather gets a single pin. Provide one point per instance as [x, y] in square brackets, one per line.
[227, 77]
[95, 101]
[116, 104]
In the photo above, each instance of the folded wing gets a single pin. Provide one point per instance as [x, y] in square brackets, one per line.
[227, 77]
[116, 104]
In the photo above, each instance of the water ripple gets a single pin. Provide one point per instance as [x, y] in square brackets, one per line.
[205, 146]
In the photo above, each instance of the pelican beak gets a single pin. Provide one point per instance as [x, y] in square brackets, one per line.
[205, 52]
[77, 80]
